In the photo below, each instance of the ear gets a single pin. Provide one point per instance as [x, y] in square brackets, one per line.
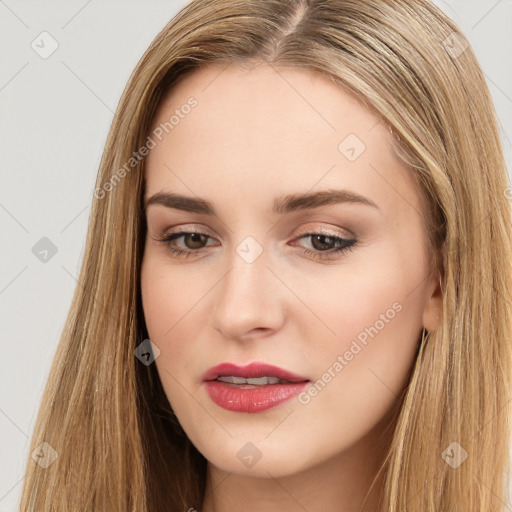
[434, 304]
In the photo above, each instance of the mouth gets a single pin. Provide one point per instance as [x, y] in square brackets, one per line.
[252, 375]
[253, 388]
[250, 383]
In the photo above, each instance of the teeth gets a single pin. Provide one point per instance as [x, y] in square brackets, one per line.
[260, 381]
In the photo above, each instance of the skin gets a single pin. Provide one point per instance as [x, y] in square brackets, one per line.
[258, 133]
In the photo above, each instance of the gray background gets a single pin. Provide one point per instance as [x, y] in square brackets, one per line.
[55, 114]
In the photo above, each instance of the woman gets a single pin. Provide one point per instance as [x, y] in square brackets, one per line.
[296, 286]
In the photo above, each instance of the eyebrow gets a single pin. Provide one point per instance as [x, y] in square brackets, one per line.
[285, 204]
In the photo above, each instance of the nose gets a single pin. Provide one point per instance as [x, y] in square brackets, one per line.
[250, 299]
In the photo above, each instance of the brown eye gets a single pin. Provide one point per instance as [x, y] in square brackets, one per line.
[322, 242]
[196, 240]
[327, 246]
[193, 243]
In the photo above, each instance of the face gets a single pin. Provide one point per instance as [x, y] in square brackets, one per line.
[334, 289]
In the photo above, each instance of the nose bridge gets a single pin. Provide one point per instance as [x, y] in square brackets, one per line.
[248, 298]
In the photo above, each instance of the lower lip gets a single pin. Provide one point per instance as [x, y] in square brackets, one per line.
[255, 399]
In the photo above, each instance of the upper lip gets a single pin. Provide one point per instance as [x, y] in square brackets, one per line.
[253, 370]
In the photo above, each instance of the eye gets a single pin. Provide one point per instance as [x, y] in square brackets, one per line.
[326, 246]
[195, 240]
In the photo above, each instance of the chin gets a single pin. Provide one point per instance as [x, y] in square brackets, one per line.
[258, 460]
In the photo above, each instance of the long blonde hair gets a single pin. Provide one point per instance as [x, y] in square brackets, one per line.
[118, 445]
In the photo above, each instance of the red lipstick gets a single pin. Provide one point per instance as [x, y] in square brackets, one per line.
[251, 388]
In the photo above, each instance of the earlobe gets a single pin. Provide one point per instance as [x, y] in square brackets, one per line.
[434, 305]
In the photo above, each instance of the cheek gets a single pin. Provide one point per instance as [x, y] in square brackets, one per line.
[171, 304]
[376, 317]
[373, 325]
[168, 294]
[378, 296]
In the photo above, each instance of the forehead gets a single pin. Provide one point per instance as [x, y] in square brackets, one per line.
[268, 95]
[257, 128]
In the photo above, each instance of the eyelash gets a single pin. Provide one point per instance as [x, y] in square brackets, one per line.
[166, 240]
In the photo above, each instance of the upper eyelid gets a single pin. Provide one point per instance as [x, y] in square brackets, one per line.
[327, 232]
